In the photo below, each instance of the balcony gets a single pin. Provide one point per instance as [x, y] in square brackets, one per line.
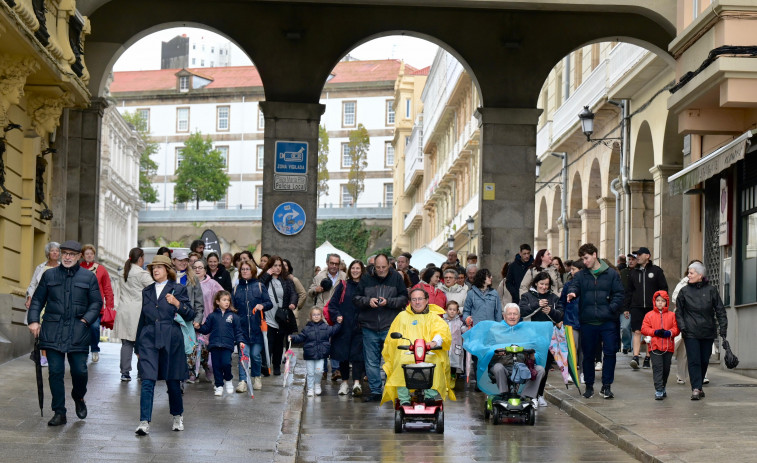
[249, 214]
[414, 156]
[590, 92]
[439, 242]
[414, 218]
[543, 139]
[623, 58]
[445, 73]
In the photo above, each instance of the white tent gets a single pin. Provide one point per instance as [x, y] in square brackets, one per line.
[424, 256]
[327, 248]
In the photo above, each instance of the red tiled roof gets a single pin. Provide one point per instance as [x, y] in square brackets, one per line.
[247, 76]
[419, 72]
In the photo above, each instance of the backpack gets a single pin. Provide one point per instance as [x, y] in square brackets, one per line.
[326, 314]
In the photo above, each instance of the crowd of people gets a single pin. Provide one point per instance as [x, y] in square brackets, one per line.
[237, 303]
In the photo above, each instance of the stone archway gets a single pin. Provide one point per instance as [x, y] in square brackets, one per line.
[590, 214]
[642, 189]
[542, 225]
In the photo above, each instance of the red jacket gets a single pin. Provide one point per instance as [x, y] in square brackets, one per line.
[660, 320]
[103, 281]
[435, 295]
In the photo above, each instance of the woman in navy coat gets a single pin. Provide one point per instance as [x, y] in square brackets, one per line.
[347, 344]
[160, 342]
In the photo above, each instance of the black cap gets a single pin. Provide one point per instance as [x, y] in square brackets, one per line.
[326, 284]
[71, 245]
[643, 250]
[632, 255]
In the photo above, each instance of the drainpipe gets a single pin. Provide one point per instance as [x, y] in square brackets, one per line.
[564, 202]
[614, 189]
[625, 135]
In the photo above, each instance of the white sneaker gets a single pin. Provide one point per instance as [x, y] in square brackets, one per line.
[229, 387]
[242, 386]
[542, 401]
[318, 389]
[680, 381]
[95, 357]
[257, 383]
[357, 390]
[705, 381]
[310, 393]
[582, 379]
[178, 423]
[344, 389]
[598, 366]
[218, 391]
[535, 403]
[143, 429]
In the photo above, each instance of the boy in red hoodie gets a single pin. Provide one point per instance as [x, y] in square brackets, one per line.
[661, 325]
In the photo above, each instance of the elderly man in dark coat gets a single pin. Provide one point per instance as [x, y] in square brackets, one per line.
[72, 302]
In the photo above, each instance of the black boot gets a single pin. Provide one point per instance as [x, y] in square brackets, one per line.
[57, 420]
[81, 409]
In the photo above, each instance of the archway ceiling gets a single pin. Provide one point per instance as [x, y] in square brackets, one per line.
[507, 47]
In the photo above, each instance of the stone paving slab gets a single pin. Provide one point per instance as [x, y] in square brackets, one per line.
[720, 427]
[230, 428]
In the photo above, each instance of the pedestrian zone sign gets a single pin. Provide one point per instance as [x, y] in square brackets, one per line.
[289, 218]
[291, 157]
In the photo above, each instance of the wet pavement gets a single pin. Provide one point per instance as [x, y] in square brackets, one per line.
[340, 428]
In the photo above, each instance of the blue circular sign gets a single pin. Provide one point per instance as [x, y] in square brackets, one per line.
[289, 218]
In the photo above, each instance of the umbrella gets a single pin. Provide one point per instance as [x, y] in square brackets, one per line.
[245, 362]
[198, 356]
[289, 363]
[264, 329]
[36, 357]
[570, 339]
[731, 361]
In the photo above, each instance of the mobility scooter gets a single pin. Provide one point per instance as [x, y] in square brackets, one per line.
[510, 407]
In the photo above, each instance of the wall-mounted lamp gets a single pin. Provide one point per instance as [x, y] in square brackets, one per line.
[451, 241]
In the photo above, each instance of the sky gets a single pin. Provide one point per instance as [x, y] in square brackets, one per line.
[145, 54]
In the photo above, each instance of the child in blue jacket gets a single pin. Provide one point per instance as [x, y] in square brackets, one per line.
[225, 331]
[317, 339]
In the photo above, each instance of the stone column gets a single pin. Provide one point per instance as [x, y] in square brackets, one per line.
[667, 217]
[607, 245]
[642, 213]
[291, 122]
[553, 241]
[590, 226]
[508, 162]
[76, 169]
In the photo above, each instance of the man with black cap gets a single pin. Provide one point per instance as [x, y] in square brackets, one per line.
[643, 281]
[72, 302]
[625, 317]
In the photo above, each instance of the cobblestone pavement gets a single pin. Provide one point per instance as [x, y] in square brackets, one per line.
[225, 429]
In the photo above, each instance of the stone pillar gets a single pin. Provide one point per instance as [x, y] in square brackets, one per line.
[607, 245]
[668, 217]
[553, 241]
[508, 163]
[573, 236]
[291, 122]
[642, 213]
[590, 226]
[76, 169]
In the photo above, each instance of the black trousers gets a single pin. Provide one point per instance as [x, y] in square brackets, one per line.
[276, 339]
[661, 368]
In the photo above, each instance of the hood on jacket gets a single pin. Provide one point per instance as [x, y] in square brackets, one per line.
[602, 268]
[517, 260]
[665, 296]
[431, 308]
[456, 288]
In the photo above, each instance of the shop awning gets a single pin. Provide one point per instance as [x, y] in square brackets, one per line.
[710, 165]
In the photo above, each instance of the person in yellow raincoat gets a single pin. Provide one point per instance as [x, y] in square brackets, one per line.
[420, 320]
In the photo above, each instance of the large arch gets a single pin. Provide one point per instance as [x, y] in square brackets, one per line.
[642, 188]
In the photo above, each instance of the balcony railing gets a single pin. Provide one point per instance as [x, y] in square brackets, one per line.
[623, 58]
[445, 72]
[543, 139]
[255, 214]
[414, 216]
[590, 92]
[414, 155]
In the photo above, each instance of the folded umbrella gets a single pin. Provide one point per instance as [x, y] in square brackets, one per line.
[36, 357]
[245, 362]
[731, 361]
[288, 363]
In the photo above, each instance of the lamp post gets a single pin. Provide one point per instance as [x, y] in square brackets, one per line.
[587, 122]
[451, 241]
[471, 224]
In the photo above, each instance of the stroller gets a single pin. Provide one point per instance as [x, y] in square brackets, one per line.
[509, 407]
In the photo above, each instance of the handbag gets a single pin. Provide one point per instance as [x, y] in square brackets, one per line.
[326, 313]
[108, 318]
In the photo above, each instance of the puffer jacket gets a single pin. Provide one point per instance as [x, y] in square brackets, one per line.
[530, 310]
[642, 284]
[392, 288]
[697, 307]
[246, 296]
[601, 295]
[482, 306]
[657, 319]
[570, 309]
[68, 295]
[224, 328]
[315, 337]
[515, 273]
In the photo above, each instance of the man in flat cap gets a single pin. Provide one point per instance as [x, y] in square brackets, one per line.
[72, 302]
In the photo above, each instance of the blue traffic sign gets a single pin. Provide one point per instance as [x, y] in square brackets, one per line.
[289, 218]
[291, 157]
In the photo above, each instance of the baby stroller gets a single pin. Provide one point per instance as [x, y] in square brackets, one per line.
[510, 407]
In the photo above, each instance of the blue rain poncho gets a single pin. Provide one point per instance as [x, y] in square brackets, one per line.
[487, 336]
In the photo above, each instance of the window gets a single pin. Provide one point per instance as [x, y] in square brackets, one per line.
[388, 194]
[222, 118]
[746, 291]
[261, 119]
[202, 62]
[388, 154]
[212, 63]
[182, 119]
[212, 49]
[407, 141]
[389, 112]
[348, 113]
[346, 158]
[224, 151]
[221, 204]
[260, 157]
[179, 157]
[346, 197]
[259, 196]
[194, 61]
[408, 107]
[144, 114]
[184, 83]
[194, 46]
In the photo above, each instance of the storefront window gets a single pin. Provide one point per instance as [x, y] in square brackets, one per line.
[747, 291]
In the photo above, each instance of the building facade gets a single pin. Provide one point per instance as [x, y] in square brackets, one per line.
[197, 51]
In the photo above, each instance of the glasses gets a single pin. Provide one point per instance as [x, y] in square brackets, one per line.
[198, 267]
[418, 299]
[69, 254]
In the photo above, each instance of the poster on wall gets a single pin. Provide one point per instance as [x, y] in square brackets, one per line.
[725, 235]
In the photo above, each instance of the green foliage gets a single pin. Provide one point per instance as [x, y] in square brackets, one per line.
[252, 248]
[175, 244]
[358, 146]
[147, 167]
[201, 176]
[387, 250]
[349, 235]
[323, 157]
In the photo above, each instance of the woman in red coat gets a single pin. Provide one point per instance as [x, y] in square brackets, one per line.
[103, 281]
[429, 282]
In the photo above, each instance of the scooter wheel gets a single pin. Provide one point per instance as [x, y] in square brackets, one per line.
[487, 412]
[440, 422]
[496, 416]
[398, 421]
[531, 420]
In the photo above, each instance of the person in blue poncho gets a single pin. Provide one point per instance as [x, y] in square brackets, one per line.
[487, 336]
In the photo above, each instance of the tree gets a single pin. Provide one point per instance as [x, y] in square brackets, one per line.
[323, 157]
[147, 167]
[200, 176]
[358, 145]
[351, 235]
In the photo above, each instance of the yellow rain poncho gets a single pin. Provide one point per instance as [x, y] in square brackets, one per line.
[417, 326]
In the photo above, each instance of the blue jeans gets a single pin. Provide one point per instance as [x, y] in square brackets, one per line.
[221, 359]
[625, 331]
[56, 365]
[591, 335]
[175, 402]
[373, 344]
[315, 370]
[94, 330]
[255, 361]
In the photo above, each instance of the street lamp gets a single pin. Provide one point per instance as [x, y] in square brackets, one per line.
[470, 223]
[587, 122]
[538, 168]
[451, 241]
